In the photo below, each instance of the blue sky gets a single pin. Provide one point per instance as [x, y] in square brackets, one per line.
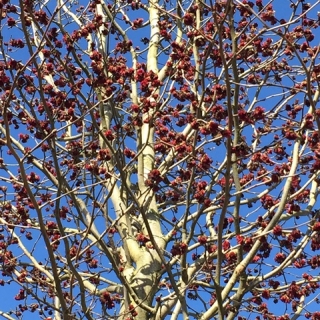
[268, 98]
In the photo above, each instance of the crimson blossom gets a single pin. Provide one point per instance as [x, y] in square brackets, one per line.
[159, 159]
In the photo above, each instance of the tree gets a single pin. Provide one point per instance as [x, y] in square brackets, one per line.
[159, 160]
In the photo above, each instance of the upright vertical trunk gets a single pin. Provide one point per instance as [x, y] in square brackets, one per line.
[148, 263]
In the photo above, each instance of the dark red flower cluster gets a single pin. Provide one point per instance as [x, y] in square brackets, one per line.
[179, 248]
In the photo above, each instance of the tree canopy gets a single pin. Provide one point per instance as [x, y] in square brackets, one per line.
[159, 159]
